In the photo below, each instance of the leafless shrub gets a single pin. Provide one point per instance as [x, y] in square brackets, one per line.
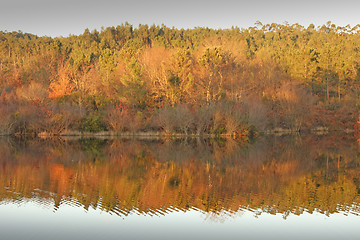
[231, 124]
[235, 119]
[118, 118]
[218, 119]
[256, 112]
[7, 119]
[295, 104]
[184, 118]
[59, 118]
[136, 122]
[28, 118]
[176, 119]
[166, 119]
[32, 92]
[203, 118]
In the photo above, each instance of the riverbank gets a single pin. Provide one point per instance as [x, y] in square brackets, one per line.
[149, 134]
[160, 134]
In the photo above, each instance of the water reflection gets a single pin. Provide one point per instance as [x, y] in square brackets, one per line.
[289, 175]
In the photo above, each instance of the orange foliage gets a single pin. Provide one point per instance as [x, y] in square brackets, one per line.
[61, 86]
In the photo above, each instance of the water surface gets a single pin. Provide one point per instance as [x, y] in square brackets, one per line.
[275, 188]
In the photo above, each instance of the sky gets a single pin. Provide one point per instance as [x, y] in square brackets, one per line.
[64, 17]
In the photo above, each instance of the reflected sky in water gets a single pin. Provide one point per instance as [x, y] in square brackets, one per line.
[32, 221]
[275, 188]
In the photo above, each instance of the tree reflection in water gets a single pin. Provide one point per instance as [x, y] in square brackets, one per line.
[221, 178]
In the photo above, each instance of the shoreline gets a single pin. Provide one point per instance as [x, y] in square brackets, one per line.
[163, 135]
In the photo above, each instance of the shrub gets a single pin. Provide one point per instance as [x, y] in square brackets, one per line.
[256, 112]
[92, 123]
[137, 121]
[184, 118]
[32, 92]
[7, 119]
[28, 118]
[203, 118]
[59, 118]
[176, 119]
[118, 118]
[166, 119]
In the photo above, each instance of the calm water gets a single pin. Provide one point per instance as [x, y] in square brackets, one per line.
[275, 188]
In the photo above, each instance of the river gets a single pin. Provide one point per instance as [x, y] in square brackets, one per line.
[291, 187]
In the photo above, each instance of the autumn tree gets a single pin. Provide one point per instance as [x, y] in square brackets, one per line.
[61, 86]
[181, 78]
[133, 84]
[213, 61]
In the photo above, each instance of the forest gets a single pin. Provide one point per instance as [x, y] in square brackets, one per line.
[156, 79]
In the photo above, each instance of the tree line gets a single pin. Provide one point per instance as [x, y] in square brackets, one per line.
[185, 81]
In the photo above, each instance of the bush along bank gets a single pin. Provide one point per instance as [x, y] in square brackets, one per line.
[240, 121]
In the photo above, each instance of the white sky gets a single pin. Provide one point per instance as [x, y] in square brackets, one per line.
[61, 18]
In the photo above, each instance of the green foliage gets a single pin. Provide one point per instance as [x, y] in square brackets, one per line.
[220, 130]
[212, 58]
[92, 123]
[174, 80]
[134, 87]
[80, 58]
[107, 63]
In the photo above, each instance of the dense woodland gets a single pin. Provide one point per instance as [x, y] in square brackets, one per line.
[181, 81]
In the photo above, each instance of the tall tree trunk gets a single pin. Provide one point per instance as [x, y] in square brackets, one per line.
[327, 89]
[208, 94]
